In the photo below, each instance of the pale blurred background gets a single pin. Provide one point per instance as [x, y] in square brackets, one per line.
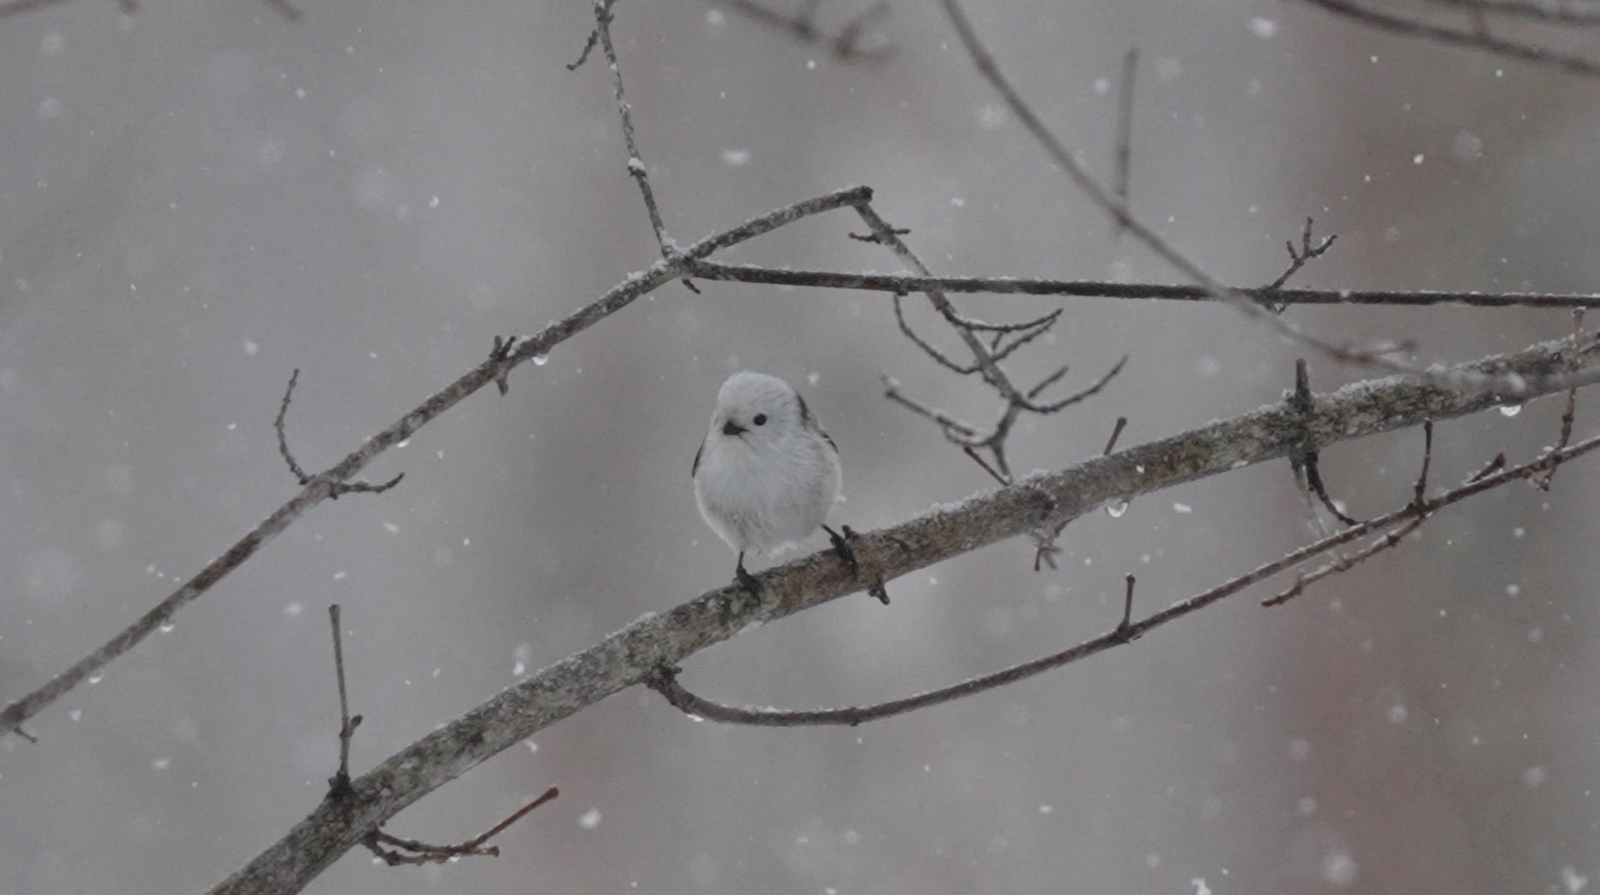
[203, 196]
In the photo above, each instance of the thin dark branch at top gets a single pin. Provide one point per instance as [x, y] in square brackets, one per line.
[825, 279]
[1471, 38]
[851, 42]
[129, 7]
[1556, 12]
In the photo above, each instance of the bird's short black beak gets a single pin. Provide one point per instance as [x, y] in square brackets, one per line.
[732, 428]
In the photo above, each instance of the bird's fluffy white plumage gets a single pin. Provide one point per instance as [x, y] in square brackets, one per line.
[766, 475]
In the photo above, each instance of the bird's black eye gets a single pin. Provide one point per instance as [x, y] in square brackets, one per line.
[760, 419]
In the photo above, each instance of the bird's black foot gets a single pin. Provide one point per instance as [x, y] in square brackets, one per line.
[746, 580]
[841, 546]
[752, 593]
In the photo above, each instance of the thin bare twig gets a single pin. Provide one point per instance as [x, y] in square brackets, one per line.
[300, 475]
[851, 42]
[339, 784]
[1306, 462]
[399, 851]
[410, 851]
[1299, 259]
[1570, 414]
[1130, 69]
[636, 167]
[987, 358]
[1342, 563]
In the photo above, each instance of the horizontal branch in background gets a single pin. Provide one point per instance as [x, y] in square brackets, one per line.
[634, 654]
[1470, 37]
[906, 284]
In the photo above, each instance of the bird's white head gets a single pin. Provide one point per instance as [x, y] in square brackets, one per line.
[757, 409]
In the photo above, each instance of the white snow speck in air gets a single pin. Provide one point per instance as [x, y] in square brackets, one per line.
[1200, 887]
[532, 746]
[1513, 590]
[50, 108]
[715, 18]
[813, 378]
[1466, 147]
[53, 44]
[250, 348]
[811, 65]
[1047, 809]
[736, 158]
[991, 116]
[75, 714]
[294, 610]
[433, 202]
[1152, 860]
[589, 819]
[340, 576]
[1534, 776]
[391, 528]
[1418, 159]
[161, 764]
[1264, 28]
[958, 202]
[1519, 532]
[1397, 713]
[1307, 806]
[1338, 868]
[1182, 508]
[520, 657]
[1300, 750]
[1572, 881]
[1102, 86]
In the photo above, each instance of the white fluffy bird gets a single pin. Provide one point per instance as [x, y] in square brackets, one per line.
[766, 475]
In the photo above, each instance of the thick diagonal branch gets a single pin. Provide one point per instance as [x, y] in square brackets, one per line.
[633, 655]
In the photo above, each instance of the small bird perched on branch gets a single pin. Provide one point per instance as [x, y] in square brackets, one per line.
[766, 475]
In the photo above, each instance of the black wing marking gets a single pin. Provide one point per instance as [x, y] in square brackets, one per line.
[696, 467]
[806, 419]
